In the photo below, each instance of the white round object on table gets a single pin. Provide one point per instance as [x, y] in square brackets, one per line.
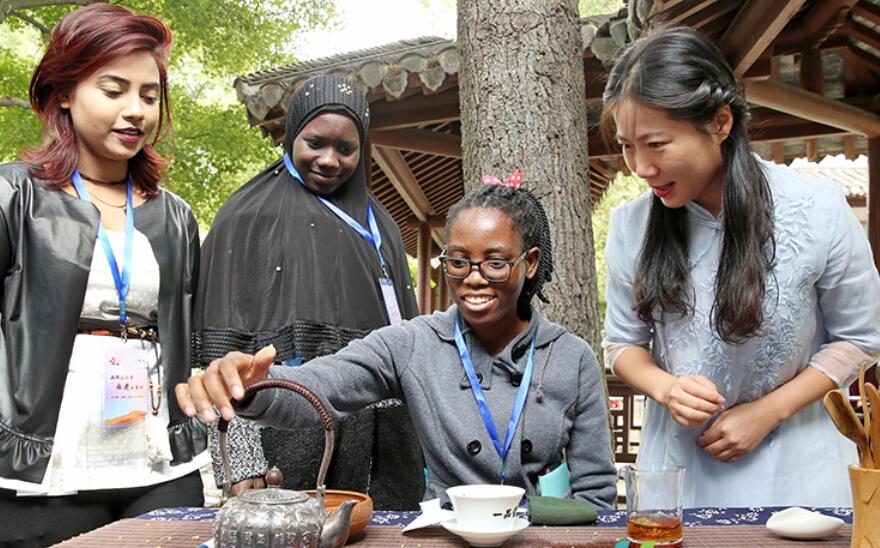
[799, 523]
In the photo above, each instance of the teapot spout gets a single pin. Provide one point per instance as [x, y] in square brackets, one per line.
[335, 530]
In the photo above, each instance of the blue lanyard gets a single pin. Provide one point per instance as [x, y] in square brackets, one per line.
[121, 279]
[481, 398]
[373, 236]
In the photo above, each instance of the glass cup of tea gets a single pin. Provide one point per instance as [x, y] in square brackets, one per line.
[653, 503]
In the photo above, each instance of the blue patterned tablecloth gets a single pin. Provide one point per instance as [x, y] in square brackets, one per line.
[607, 518]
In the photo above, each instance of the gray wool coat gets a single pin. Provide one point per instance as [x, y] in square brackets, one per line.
[417, 361]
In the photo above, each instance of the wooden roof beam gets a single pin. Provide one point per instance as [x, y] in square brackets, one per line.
[810, 106]
[756, 25]
[597, 147]
[419, 140]
[804, 131]
[416, 110]
[679, 11]
[663, 5]
[857, 55]
[868, 11]
[446, 179]
[399, 175]
[854, 68]
[818, 24]
[441, 173]
[434, 221]
[709, 15]
[601, 169]
[865, 34]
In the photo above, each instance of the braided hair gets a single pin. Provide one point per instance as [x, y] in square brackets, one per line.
[683, 74]
[529, 219]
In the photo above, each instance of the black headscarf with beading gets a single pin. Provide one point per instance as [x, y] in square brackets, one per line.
[278, 267]
[275, 255]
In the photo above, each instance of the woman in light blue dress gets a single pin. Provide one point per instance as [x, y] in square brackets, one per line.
[739, 292]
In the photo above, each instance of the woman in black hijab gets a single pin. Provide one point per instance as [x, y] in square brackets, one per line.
[291, 260]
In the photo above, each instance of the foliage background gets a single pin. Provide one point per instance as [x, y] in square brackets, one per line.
[212, 148]
[598, 7]
[622, 189]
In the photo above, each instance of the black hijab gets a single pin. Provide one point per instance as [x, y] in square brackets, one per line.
[279, 267]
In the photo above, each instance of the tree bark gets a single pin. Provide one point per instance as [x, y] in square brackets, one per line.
[521, 86]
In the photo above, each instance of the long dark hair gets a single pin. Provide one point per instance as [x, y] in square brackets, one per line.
[80, 44]
[529, 219]
[683, 74]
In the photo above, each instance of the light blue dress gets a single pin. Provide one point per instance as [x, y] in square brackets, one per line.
[824, 287]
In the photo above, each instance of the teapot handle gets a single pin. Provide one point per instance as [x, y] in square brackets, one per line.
[326, 421]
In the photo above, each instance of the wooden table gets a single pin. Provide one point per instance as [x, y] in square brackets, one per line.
[189, 534]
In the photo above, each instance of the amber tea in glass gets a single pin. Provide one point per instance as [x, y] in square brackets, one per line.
[653, 503]
[656, 527]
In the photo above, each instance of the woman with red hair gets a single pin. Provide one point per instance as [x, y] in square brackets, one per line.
[100, 265]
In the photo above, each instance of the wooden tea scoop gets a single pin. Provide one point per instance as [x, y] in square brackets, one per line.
[874, 433]
[845, 419]
[866, 417]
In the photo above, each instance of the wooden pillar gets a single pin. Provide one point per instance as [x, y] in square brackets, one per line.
[444, 291]
[435, 277]
[849, 147]
[367, 151]
[812, 79]
[874, 197]
[423, 284]
[778, 148]
[813, 150]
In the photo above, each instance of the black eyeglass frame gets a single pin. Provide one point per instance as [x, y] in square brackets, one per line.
[479, 264]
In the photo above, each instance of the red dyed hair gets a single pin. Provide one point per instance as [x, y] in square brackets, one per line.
[80, 44]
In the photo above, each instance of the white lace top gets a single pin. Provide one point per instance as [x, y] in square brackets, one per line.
[824, 288]
[86, 455]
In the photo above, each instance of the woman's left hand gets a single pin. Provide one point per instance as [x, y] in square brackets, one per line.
[738, 431]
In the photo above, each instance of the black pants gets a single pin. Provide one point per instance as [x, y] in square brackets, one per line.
[42, 521]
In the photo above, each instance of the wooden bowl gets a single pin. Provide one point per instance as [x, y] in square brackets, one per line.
[360, 514]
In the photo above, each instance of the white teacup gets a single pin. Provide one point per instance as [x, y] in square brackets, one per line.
[485, 506]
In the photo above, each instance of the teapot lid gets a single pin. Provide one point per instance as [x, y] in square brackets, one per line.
[274, 494]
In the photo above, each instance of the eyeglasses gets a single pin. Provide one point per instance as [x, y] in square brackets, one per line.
[492, 270]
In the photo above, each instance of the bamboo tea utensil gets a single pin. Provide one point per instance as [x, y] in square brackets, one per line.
[845, 419]
[866, 417]
[874, 432]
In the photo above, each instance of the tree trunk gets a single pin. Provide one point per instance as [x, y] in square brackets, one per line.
[521, 86]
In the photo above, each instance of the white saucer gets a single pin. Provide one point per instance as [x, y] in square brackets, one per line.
[800, 523]
[491, 537]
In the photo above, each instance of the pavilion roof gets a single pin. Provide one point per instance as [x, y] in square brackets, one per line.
[412, 86]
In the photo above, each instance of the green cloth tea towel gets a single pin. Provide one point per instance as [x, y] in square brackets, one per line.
[555, 511]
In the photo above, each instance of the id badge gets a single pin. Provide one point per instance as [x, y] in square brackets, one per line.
[390, 299]
[126, 386]
[556, 482]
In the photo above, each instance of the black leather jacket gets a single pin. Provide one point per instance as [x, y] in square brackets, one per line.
[47, 239]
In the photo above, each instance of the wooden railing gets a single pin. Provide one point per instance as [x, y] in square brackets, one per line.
[627, 408]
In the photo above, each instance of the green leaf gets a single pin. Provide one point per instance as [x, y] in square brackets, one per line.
[213, 150]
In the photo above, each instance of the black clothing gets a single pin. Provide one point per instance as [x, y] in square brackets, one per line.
[43, 521]
[47, 240]
[280, 268]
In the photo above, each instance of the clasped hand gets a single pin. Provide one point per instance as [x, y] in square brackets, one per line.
[693, 400]
[224, 380]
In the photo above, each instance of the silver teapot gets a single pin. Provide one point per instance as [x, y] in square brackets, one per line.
[275, 517]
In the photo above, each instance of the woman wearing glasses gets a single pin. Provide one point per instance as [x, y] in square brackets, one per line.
[453, 368]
